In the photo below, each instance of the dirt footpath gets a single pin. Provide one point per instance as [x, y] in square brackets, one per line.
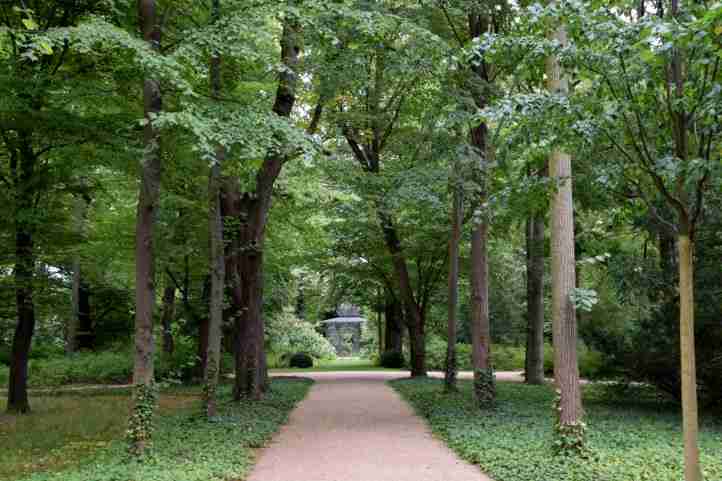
[353, 427]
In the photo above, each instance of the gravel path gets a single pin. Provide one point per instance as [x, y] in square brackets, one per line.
[354, 427]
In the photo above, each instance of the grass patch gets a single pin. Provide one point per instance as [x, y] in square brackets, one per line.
[341, 364]
[637, 437]
[80, 437]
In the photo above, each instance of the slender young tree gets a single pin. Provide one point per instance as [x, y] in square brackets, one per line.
[566, 370]
[534, 361]
[168, 315]
[217, 260]
[484, 389]
[457, 213]
[144, 397]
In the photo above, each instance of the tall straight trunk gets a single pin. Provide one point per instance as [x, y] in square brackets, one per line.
[685, 246]
[453, 287]
[393, 314]
[24, 274]
[167, 317]
[251, 370]
[143, 375]
[534, 362]
[485, 391]
[216, 260]
[564, 321]
[79, 291]
[692, 469]
[379, 324]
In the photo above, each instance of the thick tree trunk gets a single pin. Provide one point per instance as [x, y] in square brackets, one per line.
[692, 469]
[250, 362]
[216, 260]
[453, 285]
[393, 313]
[167, 317]
[534, 362]
[251, 370]
[24, 276]
[143, 374]
[566, 369]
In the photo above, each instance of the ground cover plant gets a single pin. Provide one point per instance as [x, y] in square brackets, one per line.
[79, 437]
[635, 436]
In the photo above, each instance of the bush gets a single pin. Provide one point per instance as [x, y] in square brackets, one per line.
[392, 360]
[301, 360]
[591, 362]
[504, 358]
[287, 335]
[436, 354]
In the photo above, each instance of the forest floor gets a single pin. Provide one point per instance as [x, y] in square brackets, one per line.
[64, 429]
[79, 436]
[354, 427]
[633, 433]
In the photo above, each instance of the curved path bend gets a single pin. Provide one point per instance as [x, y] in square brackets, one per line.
[353, 427]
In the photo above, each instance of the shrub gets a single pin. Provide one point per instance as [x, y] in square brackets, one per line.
[392, 360]
[287, 335]
[436, 354]
[504, 358]
[301, 360]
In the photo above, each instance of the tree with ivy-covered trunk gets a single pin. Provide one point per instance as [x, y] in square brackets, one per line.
[570, 426]
[144, 396]
[216, 251]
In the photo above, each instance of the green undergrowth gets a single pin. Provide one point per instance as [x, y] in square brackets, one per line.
[341, 364]
[185, 446]
[632, 435]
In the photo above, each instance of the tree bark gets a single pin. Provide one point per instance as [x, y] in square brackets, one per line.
[393, 313]
[413, 312]
[251, 373]
[24, 274]
[534, 362]
[480, 326]
[143, 374]
[566, 369]
[692, 469]
[167, 317]
[453, 287]
[79, 328]
[216, 260]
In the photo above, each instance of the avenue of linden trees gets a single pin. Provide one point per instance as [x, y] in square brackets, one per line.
[361, 240]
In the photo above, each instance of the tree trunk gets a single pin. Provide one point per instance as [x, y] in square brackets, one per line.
[393, 313]
[167, 317]
[143, 375]
[484, 387]
[24, 273]
[566, 369]
[456, 220]
[692, 470]
[216, 261]
[413, 314]
[79, 327]
[251, 370]
[534, 363]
